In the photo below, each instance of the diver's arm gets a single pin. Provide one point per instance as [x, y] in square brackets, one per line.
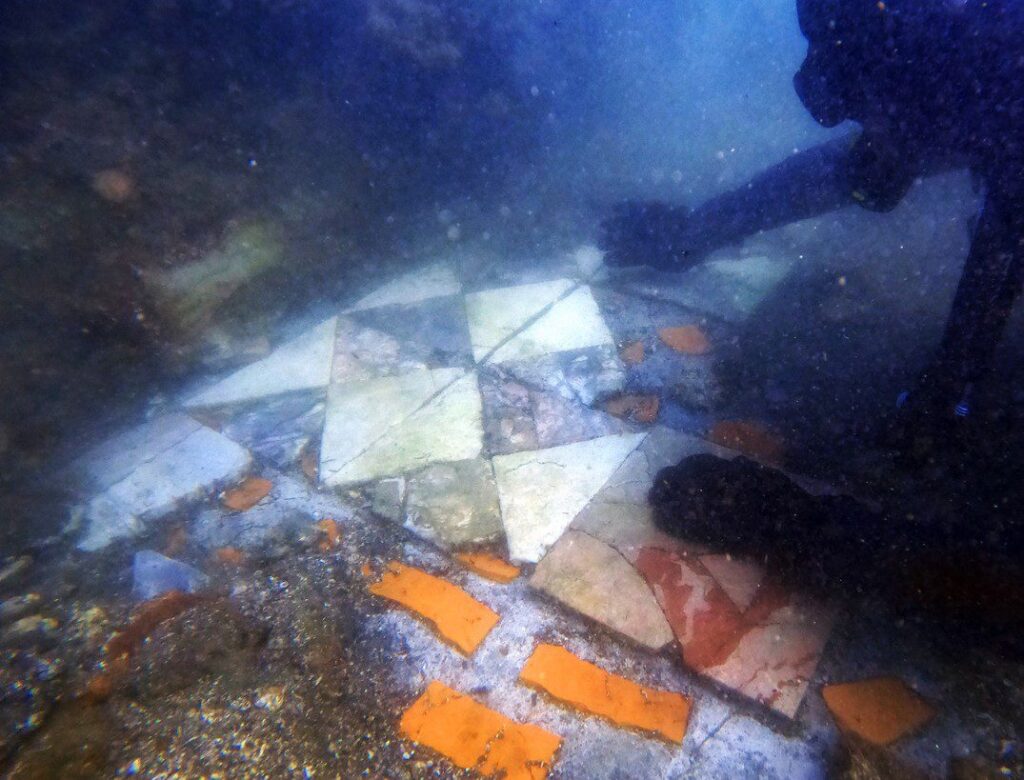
[806, 184]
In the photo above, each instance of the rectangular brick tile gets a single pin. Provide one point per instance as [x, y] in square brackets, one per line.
[473, 736]
[591, 689]
[457, 616]
[490, 566]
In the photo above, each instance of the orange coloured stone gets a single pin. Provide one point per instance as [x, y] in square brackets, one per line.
[229, 556]
[457, 616]
[750, 438]
[329, 535]
[598, 692]
[880, 710]
[177, 540]
[310, 463]
[633, 354]
[490, 566]
[688, 339]
[473, 736]
[366, 570]
[248, 494]
[639, 408]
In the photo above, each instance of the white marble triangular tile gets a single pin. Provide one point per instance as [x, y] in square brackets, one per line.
[574, 322]
[434, 281]
[542, 491]
[495, 315]
[302, 364]
[398, 424]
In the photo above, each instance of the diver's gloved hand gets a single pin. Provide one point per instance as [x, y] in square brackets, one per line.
[648, 233]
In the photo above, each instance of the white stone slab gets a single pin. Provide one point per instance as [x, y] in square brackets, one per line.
[116, 458]
[542, 491]
[390, 426]
[185, 472]
[301, 364]
[435, 281]
[574, 322]
[496, 315]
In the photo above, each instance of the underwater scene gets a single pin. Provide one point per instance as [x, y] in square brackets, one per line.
[583, 389]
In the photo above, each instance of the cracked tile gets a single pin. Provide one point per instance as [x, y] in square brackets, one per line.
[542, 491]
[473, 736]
[362, 353]
[277, 429]
[301, 364]
[574, 322]
[454, 504]
[434, 281]
[432, 331]
[768, 652]
[584, 376]
[495, 315]
[591, 689]
[163, 481]
[387, 427]
[594, 579]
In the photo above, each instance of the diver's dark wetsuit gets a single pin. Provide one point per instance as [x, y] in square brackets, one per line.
[935, 84]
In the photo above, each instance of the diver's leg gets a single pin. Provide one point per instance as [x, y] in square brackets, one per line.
[989, 285]
[803, 185]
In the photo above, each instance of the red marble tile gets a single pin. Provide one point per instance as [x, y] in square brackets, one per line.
[768, 651]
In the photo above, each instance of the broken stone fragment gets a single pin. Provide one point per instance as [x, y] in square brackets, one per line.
[633, 354]
[473, 736]
[29, 629]
[154, 574]
[489, 566]
[639, 408]
[687, 340]
[247, 495]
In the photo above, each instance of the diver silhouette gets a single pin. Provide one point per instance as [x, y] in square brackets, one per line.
[934, 85]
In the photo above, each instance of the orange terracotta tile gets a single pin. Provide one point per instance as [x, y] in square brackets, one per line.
[229, 556]
[473, 736]
[633, 354]
[177, 540]
[490, 566]
[310, 464]
[593, 690]
[880, 710]
[688, 339]
[750, 438]
[639, 408]
[329, 534]
[247, 495]
[457, 616]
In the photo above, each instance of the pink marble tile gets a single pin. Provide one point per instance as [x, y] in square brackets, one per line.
[767, 650]
[739, 579]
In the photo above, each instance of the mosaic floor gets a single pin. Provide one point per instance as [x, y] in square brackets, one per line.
[474, 411]
[468, 416]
